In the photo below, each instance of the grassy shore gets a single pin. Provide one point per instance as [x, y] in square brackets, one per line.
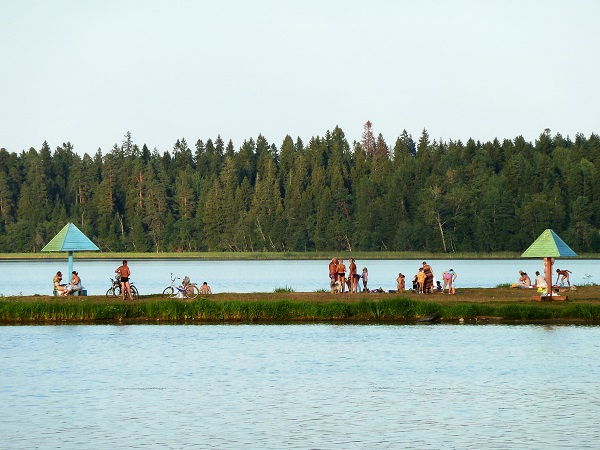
[497, 305]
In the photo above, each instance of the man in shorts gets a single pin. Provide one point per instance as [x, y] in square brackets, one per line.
[125, 274]
[333, 270]
[341, 274]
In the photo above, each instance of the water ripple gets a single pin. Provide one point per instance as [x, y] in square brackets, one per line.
[308, 386]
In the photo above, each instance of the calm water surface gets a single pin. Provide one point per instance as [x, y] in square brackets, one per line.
[305, 386]
[152, 276]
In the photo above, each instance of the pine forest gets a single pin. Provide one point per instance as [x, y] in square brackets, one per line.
[325, 194]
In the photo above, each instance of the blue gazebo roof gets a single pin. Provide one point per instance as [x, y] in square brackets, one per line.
[70, 239]
[548, 244]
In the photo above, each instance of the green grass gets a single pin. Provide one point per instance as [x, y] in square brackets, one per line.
[392, 309]
[285, 289]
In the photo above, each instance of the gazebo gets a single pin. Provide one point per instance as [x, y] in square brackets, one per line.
[70, 239]
[548, 246]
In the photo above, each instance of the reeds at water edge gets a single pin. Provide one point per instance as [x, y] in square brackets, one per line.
[203, 310]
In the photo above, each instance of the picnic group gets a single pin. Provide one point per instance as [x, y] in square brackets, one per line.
[344, 279]
[540, 283]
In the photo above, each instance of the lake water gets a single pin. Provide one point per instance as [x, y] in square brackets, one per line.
[299, 386]
[152, 276]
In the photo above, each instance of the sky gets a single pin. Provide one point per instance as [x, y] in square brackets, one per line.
[88, 72]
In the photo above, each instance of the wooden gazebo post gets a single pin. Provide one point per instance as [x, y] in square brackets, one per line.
[548, 274]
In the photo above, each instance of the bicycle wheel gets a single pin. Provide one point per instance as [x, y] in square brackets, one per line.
[168, 292]
[114, 291]
[192, 292]
[134, 293]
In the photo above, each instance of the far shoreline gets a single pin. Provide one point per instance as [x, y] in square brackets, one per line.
[255, 256]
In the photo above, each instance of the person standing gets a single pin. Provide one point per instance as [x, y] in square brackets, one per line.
[353, 276]
[333, 270]
[365, 279]
[341, 274]
[400, 282]
[452, 287]
[421, 280]
[428, 286]
[125, 274]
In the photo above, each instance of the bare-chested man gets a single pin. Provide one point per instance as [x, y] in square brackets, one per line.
[333, 269]
[125, 285]
[562, 276]
[341, 274]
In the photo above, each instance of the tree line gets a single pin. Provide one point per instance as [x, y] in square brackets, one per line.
[323, 195]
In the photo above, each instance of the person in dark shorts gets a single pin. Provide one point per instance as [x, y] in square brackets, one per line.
[341, 274]
[125, 274]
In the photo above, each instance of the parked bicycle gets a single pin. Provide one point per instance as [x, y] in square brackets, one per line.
[187, 289]
[115, 288]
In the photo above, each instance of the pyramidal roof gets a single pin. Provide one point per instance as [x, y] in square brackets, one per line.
[70, 239]
[548, 244]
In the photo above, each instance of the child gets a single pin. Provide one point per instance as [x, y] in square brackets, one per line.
[365, 279]
[421, 280]
[438, 288]
[415, 284]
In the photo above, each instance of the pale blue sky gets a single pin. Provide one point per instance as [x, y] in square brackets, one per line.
[89, 71]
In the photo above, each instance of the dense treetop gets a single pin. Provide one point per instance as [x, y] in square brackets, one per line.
[322, 195]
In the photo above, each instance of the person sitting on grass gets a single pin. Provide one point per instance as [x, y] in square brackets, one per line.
[524, 281]
[205, 288]
[540, 281]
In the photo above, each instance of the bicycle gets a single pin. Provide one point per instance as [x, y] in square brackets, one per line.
[187, 290]
[115, 289]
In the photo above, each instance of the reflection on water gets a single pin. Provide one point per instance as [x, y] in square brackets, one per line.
[152, 276]
[306, 386]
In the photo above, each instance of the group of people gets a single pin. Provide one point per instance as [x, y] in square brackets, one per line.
[67, 289]
[540, 282]
[339, 281]
[123, 274]
[424, 280]
[422, 283]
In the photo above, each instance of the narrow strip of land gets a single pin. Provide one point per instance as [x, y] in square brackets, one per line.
[468, 305]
